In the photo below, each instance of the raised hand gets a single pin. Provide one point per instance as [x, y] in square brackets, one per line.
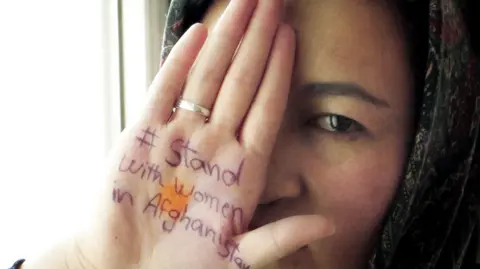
[184, 185]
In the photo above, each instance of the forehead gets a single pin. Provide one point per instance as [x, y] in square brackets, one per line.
[352, 41]
[356, 41]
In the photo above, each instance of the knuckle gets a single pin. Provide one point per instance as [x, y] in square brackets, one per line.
[240, 79]
[221, 128]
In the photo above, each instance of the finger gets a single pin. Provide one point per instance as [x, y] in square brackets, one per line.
[276, 240]
[244, 76]
[168, 83]
[209, 71]
[265, 116]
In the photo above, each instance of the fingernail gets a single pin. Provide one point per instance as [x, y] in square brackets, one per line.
[331, 230]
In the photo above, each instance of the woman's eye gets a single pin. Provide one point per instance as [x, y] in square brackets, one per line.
[336, 124]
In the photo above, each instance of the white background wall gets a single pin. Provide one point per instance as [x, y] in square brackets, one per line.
[60, 83]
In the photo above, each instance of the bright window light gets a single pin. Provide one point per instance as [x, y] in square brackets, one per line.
[59, 114]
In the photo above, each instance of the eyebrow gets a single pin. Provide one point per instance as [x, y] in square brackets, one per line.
[345, 89]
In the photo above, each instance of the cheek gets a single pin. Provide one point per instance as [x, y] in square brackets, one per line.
[354, 187]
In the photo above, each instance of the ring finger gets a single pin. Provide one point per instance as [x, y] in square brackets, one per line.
[214, 59]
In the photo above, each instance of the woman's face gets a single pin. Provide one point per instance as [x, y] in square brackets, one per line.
[341, 149]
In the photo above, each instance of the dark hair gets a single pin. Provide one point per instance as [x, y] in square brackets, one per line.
[195, 11]
[471, 12]
[414, 17]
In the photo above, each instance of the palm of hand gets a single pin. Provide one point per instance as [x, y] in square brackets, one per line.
[184, 189]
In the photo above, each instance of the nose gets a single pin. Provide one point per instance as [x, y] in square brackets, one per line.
[284, 171]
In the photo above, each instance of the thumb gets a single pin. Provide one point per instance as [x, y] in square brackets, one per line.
[278, 239]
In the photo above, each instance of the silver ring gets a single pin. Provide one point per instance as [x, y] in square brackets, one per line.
[184, 104]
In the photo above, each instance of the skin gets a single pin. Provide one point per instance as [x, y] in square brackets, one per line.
[125, 231]
[347, 175]
[318, 174]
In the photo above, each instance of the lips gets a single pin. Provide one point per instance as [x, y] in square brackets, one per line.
[264, 214]
[259, 221]
[253, 226]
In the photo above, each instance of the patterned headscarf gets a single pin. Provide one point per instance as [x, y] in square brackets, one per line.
[433, 219]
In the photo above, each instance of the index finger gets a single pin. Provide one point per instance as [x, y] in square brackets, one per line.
[276, 240]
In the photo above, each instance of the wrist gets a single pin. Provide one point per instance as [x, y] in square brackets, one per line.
[65, 255]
